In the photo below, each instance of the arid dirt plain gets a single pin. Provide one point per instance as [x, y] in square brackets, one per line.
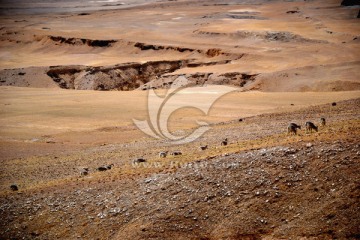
[74, 75]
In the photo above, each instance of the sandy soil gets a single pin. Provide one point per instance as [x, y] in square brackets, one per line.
[287, 61]
[66, 119]
[264, 184]
[294, 47]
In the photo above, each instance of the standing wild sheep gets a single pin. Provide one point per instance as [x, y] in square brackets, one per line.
[310, 126]
[176, 153]
[224, 142]
[163, 154]
[105, 168]
[139, 160]
[84, 171]
[292, 128]
[323, 121]
[203, 147]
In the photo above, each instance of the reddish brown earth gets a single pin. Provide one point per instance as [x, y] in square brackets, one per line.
[290, 61]
[264, 184]
[300, 46]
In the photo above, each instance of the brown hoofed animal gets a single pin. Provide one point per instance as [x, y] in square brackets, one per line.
[163, 154]
[105, 168]
[139, 160]
[310, 126]
[224, 142]
[84, 171]
[203, 147]
[323, 121]
[176, 153]
[292, 128]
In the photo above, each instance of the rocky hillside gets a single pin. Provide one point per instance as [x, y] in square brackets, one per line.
[263, 184]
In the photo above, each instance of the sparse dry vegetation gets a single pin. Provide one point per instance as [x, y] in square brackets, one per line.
[271, 183]
[74, 166]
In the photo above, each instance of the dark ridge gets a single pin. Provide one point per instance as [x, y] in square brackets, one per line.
[216, 4]
[212, 52]
[237, 79]
[144, 46]
[292, 12]
[245, 17]
[124, 77]
[82, 41]
[266, 35]
[57, 73]
[201, 64]
[100, 43]
[350, 2]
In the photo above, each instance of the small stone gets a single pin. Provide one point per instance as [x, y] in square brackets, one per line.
[308, 145]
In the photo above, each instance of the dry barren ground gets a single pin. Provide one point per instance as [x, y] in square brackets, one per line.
[263, 45]
[288, 61]
[264, 184]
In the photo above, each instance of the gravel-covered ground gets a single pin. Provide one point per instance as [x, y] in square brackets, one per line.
[264, 184]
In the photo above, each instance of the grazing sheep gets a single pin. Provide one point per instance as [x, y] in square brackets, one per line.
[292, 128]
[163, 154]
[105, 168]
[102, 168]
[176, 153]
[84, 171]
[14, 187]
[323, 121]
[139, 160]
[203, 147]
[310, 126]
[224, 142]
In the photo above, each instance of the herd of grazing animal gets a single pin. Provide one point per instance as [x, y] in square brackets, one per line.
[292, 129]
[85, 171]
[309, 126]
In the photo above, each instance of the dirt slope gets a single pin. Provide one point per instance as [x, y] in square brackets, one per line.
[264, 184]
[302, 46]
